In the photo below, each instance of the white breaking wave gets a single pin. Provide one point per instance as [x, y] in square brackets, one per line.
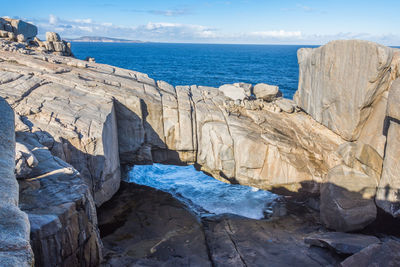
[202, 193]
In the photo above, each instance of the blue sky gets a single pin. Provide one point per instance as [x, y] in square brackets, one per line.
[226, 21]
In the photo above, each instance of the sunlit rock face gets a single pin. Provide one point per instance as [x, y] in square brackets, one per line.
[342, 85]
[96, 117]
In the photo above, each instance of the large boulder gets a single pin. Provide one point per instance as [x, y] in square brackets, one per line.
[347, 199]
[236, 91]
[21, 27]
[342, 83]
[286, 105]
[266, 92]
[388, 195]
[52, 37]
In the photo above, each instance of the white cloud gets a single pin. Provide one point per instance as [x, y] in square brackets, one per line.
[306, 8]
[281, 33]
[177, 32]
[86, 21]
[53, 20]
[167, 13]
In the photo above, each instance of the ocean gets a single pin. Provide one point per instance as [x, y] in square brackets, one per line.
[202, 64]
[208, 65]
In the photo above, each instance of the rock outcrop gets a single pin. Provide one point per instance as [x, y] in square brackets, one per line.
[18, 27]
[61, 210]
[388, 195]
[116, 115]
[344, 89]
[15, 249]
[347, 91]
[15, 30]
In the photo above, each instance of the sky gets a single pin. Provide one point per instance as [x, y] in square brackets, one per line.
[226, 21]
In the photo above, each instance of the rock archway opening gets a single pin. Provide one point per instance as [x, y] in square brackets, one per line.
[203, 194]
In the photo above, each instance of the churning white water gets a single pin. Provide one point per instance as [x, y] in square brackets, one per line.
[202, 193]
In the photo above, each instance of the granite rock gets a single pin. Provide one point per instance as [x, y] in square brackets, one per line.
[15, 249]
[339, 86]
[342, 243]
[347, 199]
[61, 211]
[266, 92]
[386, 254]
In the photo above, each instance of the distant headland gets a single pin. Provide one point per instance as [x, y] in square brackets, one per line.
[101, 39]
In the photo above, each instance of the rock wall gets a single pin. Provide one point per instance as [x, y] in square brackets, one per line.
[61, 210]
[15, 249]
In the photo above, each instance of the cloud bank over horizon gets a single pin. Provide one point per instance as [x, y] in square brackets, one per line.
[178, 32]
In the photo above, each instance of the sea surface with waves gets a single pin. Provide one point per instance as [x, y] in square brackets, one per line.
[208, 65]
[202, 64]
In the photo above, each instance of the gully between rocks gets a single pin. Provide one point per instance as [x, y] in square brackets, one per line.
[143, 226]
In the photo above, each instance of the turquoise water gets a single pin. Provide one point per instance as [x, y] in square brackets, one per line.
[202, 64]
[203, 194]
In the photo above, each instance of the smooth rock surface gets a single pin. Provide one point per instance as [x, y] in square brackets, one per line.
[342, 243]
[233, 92]
[15, 249]
[347, 199]
[339, 85]
[238, 241]
[142, 226]
[386, 254]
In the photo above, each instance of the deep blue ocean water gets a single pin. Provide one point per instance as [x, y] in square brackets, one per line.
[209, 65]
[202, 64]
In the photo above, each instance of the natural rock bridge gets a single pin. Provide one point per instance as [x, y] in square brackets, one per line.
[83, 120]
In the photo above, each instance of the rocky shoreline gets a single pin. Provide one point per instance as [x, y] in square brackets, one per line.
[77, 123]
